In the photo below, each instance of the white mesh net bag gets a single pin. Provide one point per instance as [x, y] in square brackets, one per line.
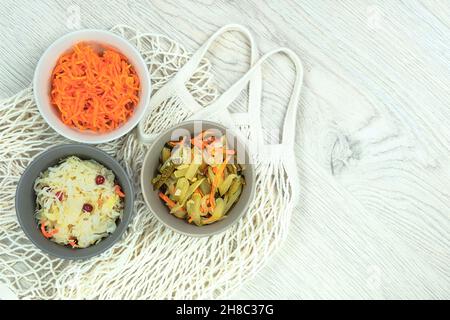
[150, 261]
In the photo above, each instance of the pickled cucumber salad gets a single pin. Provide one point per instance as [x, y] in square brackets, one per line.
[198, 179]
[77, 202]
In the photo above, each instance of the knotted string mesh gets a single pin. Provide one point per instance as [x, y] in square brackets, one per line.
[150, 261]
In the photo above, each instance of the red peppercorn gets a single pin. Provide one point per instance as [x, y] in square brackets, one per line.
[60, 195]
[99, 179]
[87, 207]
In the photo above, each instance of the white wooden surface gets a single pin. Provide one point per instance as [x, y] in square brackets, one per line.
[373, 140]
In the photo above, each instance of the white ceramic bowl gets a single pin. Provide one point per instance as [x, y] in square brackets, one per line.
[42, 83]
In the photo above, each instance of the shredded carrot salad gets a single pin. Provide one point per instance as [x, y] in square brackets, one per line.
[94, 91]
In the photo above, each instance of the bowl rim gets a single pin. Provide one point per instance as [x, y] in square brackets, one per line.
[126, 220]
[144, 96]
[149, 153]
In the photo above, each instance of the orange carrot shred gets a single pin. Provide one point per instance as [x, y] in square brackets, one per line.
[118, 191]
[215, 182]
[94, 91]
[45, 233]
[167, 200]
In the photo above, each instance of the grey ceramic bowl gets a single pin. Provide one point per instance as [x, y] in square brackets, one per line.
[26, 199]
[157, 206]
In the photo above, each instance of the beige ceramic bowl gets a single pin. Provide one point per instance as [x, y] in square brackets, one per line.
[157, 206]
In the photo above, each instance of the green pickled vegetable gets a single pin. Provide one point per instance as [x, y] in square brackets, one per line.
[231, 169]
[203, 166]
[180, 155]
[166, 171]
[170, 184]
[193, 208]
[156, 179]
[235, 186]
[217, 213]
[233, 197]
[225, 185]
[191, 190]
[192, 170]
[205, 187]
[179, 213]
[211, 175]
[180, 173]
[165, 154]
[166, 165]
[181, 189]
[204, 203]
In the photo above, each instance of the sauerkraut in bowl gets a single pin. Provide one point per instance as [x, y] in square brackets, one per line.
[78, 202]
